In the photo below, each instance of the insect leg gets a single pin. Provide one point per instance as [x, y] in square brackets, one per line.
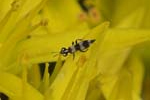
[84, 50]
[72, 43]
[78, 40]
[73, 56]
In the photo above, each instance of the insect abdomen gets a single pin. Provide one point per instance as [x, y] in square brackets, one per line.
[85, 44]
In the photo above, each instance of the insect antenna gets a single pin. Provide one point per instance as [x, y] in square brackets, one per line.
[55, 54]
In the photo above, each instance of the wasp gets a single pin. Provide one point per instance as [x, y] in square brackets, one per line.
[82, 46]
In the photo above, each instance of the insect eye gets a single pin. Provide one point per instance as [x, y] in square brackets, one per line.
[62, 50]
[64, 54]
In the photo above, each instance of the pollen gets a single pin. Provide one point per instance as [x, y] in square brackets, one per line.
[83, 16]
[44, 22]
[81, 60]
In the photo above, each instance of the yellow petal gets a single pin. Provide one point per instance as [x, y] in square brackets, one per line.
[12, 87]
[41, 48]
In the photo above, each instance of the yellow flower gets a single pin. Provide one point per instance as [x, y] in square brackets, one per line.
[33, 32]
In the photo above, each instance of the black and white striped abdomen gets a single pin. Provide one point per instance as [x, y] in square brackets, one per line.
[85, 44]
[80, 46]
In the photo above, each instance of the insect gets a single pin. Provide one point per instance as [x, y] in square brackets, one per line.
[77, 46]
